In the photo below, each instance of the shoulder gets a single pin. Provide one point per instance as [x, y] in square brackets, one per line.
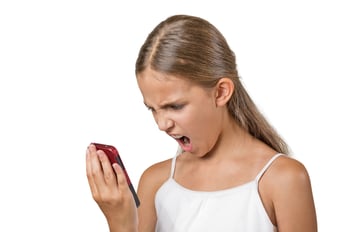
[285, 174]
[286, 170]
[154, 176]
[287, 194]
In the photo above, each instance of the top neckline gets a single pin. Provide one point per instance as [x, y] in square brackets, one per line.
[226, 190]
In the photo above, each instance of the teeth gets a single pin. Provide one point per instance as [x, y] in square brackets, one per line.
[183, 138]
[177, 136]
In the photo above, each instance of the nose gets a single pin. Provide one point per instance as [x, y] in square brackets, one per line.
[164, 123]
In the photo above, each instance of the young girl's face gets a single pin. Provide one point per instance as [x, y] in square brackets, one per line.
[185, 111]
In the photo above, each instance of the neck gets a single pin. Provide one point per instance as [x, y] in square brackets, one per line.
[233, 141]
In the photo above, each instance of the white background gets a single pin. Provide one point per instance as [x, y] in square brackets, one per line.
[67, 79]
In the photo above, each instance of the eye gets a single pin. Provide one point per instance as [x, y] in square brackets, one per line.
[150, 108]
[176, 106]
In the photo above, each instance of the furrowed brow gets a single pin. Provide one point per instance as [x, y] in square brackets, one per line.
[162, 106]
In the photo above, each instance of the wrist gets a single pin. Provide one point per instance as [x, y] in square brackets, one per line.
[123, 230]
[122, 227]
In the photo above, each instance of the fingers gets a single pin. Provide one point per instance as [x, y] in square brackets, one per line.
[90, 161]
[121, 177]
[108, 171]
[109, 186]
[108, 183]
[122, 181]
[100, 174]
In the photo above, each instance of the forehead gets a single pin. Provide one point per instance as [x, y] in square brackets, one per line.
[157, 87]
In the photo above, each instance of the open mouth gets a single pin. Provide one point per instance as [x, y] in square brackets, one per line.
[184, 142]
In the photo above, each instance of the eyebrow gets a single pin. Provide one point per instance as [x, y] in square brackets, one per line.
[163, 106]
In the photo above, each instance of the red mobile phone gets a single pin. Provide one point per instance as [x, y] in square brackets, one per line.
[114, 157]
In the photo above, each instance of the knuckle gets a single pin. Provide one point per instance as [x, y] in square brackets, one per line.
[109, 176]
[96, 196]
[110, 199]
[89, 175]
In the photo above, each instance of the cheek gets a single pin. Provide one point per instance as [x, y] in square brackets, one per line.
[198, 119]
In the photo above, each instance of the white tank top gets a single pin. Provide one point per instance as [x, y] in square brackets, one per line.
[238, 209]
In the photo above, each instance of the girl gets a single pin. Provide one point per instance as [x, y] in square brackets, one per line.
[232, 171]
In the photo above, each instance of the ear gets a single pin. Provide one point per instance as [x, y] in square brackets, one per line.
[223, 91]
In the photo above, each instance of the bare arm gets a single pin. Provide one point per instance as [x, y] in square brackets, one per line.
[291, 196]
[149, 183]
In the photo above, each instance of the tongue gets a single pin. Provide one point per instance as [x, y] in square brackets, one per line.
[186, 144]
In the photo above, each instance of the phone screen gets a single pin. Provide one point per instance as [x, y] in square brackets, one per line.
[115, 157]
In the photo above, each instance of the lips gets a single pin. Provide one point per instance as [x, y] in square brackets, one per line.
[183, 141]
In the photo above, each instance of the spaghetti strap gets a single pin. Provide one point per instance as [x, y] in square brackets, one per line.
[172, 169]
[259, 175]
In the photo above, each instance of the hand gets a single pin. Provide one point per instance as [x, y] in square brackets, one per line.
[110, 190]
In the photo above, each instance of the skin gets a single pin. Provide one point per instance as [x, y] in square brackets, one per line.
[110, 191]
[219, 146]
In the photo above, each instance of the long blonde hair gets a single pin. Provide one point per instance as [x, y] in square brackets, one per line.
[192, 48]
